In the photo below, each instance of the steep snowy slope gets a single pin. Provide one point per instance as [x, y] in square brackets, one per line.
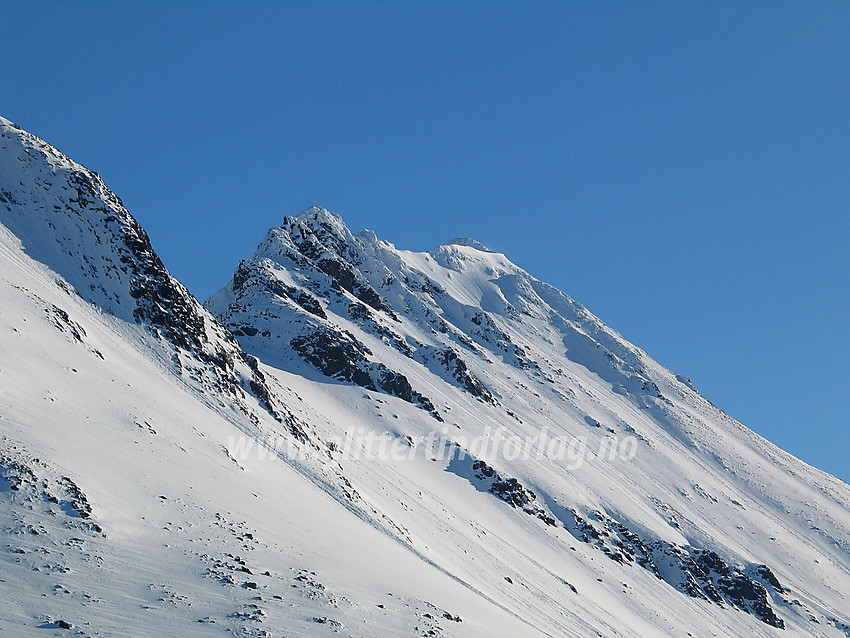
[66, 218]
[587, 444]
[430, 445]
[121, 510]
[122, 513]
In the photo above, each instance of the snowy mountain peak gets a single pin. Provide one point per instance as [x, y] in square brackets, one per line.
[320, 221]
[8, 124]
[467, 241]
[321, 215]
[462, 331]
[67, 219]
[315, 231]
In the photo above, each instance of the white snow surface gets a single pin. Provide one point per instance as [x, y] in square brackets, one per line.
[136, 499]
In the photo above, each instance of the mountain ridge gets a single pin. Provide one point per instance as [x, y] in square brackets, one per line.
[106, 257]
[630, 371]
[538, 474]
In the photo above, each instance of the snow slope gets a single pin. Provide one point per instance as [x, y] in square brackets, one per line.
[139, 494]
[704, 503]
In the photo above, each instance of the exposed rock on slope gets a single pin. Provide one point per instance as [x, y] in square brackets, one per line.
[66, 218]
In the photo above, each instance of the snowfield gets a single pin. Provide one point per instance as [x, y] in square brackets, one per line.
[352, 439]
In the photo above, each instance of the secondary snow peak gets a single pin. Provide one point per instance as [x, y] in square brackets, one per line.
[468, 241]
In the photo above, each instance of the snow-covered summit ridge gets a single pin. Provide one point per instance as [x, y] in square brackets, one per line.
[469, 242]
[317, 245]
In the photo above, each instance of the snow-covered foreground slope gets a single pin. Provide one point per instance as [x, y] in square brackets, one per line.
[431, 444]
[121, 509]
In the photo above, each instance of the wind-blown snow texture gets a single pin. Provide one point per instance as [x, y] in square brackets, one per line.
[126, 509]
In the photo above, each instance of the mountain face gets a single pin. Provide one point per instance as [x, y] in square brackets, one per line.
[352, 438]
[65, 217]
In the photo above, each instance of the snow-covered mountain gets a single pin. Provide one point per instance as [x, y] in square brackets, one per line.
[361, 440]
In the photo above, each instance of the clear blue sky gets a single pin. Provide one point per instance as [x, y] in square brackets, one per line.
[681, 168]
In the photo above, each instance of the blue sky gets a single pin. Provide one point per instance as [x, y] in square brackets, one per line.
[679, 168]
